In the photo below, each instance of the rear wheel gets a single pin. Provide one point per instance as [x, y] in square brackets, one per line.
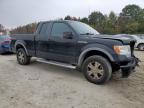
[97, 69]
[141, 47]
[22, 57]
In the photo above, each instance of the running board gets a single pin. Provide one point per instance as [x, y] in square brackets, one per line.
[56, 63]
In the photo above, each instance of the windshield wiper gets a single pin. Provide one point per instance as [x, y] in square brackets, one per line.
[87, 34]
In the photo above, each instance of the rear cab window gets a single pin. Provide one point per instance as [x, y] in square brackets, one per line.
[45, 31]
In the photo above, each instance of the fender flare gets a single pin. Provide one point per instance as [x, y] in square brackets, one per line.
[140, 43]
[22, 44]
[82, 55]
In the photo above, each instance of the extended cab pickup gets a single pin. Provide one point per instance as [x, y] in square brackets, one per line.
[76, 45]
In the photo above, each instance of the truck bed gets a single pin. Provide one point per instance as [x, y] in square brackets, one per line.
[23, 36]
[28, 40]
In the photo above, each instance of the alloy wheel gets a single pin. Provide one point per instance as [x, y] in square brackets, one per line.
[95, 70]
[21, 57]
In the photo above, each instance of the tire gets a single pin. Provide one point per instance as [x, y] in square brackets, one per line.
[141, 47]
[22, 57]
[97, 69]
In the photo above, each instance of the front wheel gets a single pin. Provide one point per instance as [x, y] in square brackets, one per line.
[22, 57]
[97, 69]
[141, 47]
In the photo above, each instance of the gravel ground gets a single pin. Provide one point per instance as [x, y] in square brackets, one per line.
[40, 85]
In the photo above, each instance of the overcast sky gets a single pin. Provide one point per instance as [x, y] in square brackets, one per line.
[19, 12]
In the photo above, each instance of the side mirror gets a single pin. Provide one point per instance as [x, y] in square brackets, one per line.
[67, 35]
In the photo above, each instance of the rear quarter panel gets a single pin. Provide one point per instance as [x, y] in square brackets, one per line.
[28, 40]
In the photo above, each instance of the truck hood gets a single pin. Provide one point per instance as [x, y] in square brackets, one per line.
[125, 41]
[109, 40]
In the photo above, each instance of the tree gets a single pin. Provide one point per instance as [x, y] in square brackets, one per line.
[71, 18]
[132, 11]
[130, 20]
[112, 19]
[97, 20]
[84, 20]
[132, 27]
[110, 25]
[141, 16]
[1, 28]
[68, 18]
[29, 28]
[141, 27]
[121, 24]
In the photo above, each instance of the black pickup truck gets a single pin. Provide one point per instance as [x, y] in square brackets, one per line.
[76, 45]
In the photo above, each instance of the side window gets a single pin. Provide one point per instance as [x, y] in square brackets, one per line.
[45, 31]
[59, 28]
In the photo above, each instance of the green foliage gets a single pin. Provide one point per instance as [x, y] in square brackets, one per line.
[141, 27]
[130, 20]
[110, 24]
[71, 18]
[68, 18]
[112, 19]
[2, 28]
[122, 23]
[97, 19]
[141, 16]
[132, 11]
[132, 27]
[84, 20]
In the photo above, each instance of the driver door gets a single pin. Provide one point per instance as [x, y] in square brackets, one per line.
[62, 49]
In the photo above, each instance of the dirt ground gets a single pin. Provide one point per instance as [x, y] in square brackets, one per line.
[40, 85]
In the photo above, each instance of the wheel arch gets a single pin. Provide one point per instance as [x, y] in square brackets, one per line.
[20, 44]
[94, 51]
[140, 44]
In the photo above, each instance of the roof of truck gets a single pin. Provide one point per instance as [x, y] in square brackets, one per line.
[58, 21]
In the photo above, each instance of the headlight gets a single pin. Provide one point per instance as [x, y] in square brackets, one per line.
[123, 50]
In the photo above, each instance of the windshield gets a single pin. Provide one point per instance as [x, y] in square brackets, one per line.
[83, 29]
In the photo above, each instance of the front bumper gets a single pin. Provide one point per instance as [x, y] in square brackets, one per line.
[129, 67]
